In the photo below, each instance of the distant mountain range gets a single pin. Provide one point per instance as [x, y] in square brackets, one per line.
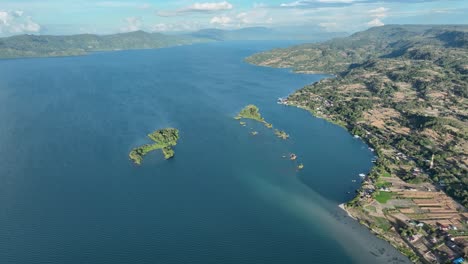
[74, 45]
[263, 33]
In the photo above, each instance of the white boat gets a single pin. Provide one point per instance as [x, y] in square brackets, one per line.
[362, 175]
[282, 100]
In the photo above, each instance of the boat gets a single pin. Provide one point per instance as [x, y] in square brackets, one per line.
[282, 100]
[293, 156]
[362, 175]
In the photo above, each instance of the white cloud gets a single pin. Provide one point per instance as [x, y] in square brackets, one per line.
[117, 4]
[375, 23]
[221, 20]
[132, 24]
[209, 7]
[199, 8]
[252, 17]
[174, 27]
[377, 14]
[329, 26]
[380, 12]
[305, 3]
[14, 22]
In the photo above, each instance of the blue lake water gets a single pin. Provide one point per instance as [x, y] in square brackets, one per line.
[69, 194]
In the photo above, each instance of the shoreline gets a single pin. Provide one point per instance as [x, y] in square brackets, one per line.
[396, 241]
[343, 207]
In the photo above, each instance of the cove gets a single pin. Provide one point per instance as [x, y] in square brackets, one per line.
[70, 194]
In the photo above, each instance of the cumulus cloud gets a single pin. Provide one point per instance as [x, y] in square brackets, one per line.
[253, 17]
[207, 7]
[132, 24]
[329, 26]
[319, 3]
[117, 4]
[221, 20]
[375, 23]
[173, 27]
[380, 12]
[15, 22]
[377, 14]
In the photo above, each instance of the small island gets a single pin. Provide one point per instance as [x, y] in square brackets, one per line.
[251, 112]
[164, 139]
[281, 134]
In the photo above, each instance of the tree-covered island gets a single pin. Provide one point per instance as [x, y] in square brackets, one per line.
[164, 139]
[251, 112]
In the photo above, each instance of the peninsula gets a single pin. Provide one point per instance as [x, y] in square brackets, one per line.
[164, 139]
[404, 91]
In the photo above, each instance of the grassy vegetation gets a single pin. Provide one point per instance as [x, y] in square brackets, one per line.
[165, 139]
[383, 197]
[386, 175]
[383, 184]
[382, 223]
[371, 208]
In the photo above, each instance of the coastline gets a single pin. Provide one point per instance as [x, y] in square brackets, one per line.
[343, 206]
[398, 244]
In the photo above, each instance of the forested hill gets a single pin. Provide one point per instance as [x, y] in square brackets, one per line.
[53, 46]
[50, 46]
[393, 41]
[404, 89]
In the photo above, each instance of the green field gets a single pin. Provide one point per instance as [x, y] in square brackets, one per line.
[383, 197]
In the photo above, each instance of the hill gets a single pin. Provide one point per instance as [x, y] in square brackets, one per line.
[263, 33]
[50, 46]
[403, 90]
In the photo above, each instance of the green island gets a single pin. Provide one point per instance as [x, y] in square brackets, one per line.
[402, 89]
[252, 112]
[281, 134]
[164, 139]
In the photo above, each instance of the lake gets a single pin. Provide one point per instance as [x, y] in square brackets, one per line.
[69, 193]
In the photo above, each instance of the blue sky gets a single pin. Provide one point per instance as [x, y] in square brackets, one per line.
[112, 16]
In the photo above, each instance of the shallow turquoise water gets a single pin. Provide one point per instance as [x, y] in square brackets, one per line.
[69, 194]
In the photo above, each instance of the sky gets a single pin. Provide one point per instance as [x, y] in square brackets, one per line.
[114, 16]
